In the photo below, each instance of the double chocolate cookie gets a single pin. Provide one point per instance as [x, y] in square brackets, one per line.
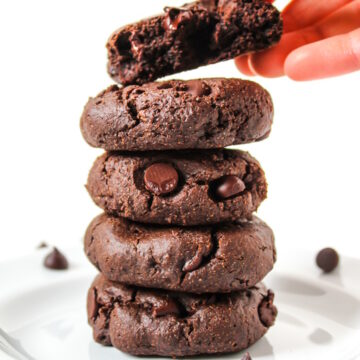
[204, 113]
[190, 36]
[179, 251]
[148, 322]
[218, 258]
[179, 188]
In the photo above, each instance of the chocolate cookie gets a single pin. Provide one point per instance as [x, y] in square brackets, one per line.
[190, 36]
[180, 187]
[220, 258]
[204, 113]
[147, 322]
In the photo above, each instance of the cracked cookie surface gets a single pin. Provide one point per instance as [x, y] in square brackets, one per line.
[147, 322]
[196, 34]
[200, 259]
[116, 184]
[176, 114]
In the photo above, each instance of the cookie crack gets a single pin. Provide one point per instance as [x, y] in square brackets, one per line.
[205, 260]
[243, 281]
[132, 110]
[93, 231]
[129, 101]
[222, 123]
[212, 254]
[105, 197]
[150, 201]
[186, 331]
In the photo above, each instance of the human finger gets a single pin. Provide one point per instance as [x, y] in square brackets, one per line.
[270, 63]
[299, 14]
[326, 58]
[242, 63]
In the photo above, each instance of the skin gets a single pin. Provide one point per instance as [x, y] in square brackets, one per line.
[321, 39]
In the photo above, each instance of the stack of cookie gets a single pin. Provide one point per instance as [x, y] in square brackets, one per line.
[179, 251]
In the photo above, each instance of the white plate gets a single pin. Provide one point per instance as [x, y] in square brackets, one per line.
[319, 315]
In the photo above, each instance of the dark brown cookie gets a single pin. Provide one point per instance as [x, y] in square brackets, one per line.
[205, 191]
[148, 322]
[204, 114]
[218, 258]
[193, 35]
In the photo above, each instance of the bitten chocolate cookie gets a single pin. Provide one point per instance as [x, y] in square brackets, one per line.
[220, 258]
[190, 36]
[203, 113]
[148, 322]
[180, 187]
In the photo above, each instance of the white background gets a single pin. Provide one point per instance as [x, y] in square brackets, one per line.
[52, 57]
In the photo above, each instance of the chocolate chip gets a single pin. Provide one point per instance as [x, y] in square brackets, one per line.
[246, 357]
[228, 186]
[161, 178]
[174, 17]
[195, 262]
[198, 88]
[327, 259]
[42, 245]
[166, 308]
[56, 260]
[267, 310]
[172, 12]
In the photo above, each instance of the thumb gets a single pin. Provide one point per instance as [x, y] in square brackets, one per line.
[334, 56]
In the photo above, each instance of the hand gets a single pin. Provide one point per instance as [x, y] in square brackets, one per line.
[321, 39]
